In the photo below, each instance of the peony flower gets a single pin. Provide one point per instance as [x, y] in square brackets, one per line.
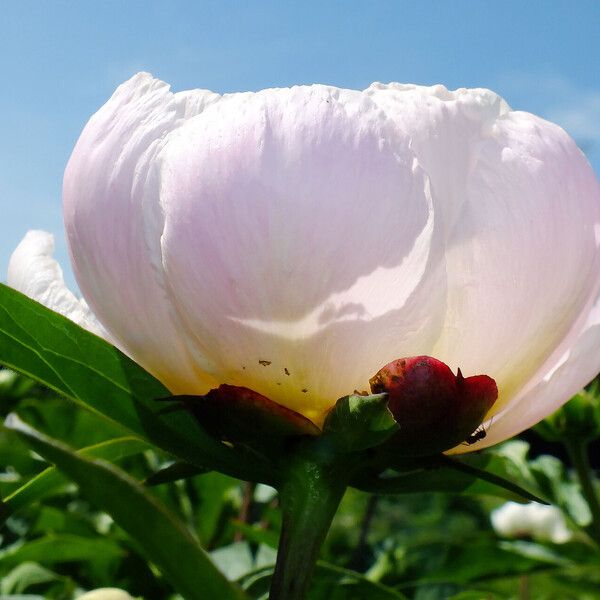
[543, 523]
[294, 241]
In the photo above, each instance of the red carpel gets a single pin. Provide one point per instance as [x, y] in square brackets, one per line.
[435, 408]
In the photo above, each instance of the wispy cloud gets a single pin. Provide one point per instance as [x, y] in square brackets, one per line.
[581, 119]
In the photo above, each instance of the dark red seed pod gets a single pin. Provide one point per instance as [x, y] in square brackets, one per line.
[240, 414]
[435, 409]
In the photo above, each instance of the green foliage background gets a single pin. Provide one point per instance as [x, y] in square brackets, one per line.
[154, 527]
[423, 546]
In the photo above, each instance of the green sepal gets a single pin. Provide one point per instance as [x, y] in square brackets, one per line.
[359, 422]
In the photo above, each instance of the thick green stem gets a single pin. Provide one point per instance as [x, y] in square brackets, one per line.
[309, 498]
[579, 456]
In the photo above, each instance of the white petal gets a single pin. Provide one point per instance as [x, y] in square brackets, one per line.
[289, 227]
[523, 260]
[114, 223]
[544, 523]
[33, 272]
[445, 130]
[561, 380]
[106, 594]
[300, 242]
[522, 208]
[296, 240]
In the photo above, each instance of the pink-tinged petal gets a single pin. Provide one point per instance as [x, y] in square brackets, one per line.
[33, 272]
[300, 244]
[522, 210]
[523, 262]
[114, 224]
[292, 241]
[521, 207]
[557, 383]
[445, 129]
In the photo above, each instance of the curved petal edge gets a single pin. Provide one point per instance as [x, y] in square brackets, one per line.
[33, 271]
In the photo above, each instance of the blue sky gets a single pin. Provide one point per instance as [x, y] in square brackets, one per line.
[61, 60]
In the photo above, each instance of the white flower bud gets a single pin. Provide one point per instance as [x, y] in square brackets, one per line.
[533, 520]
[106, 594]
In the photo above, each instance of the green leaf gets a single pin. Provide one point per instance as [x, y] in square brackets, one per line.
[51, 480]
[483, 559]
[164, 539]
[234, 560]
[329, 583]
[22, 597]
[83, 367]
[495, 479]
[578, 419]
[54, 549]
[13, 385]
[66, 421]
[359, 422]
[174, 472]
[257, 534]
[178, 433]
[449, 475]
[545, 473]
[52, 349]
[554, 480]
[24, 575]
[213, 491]
[536, 551]
[575, 583]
